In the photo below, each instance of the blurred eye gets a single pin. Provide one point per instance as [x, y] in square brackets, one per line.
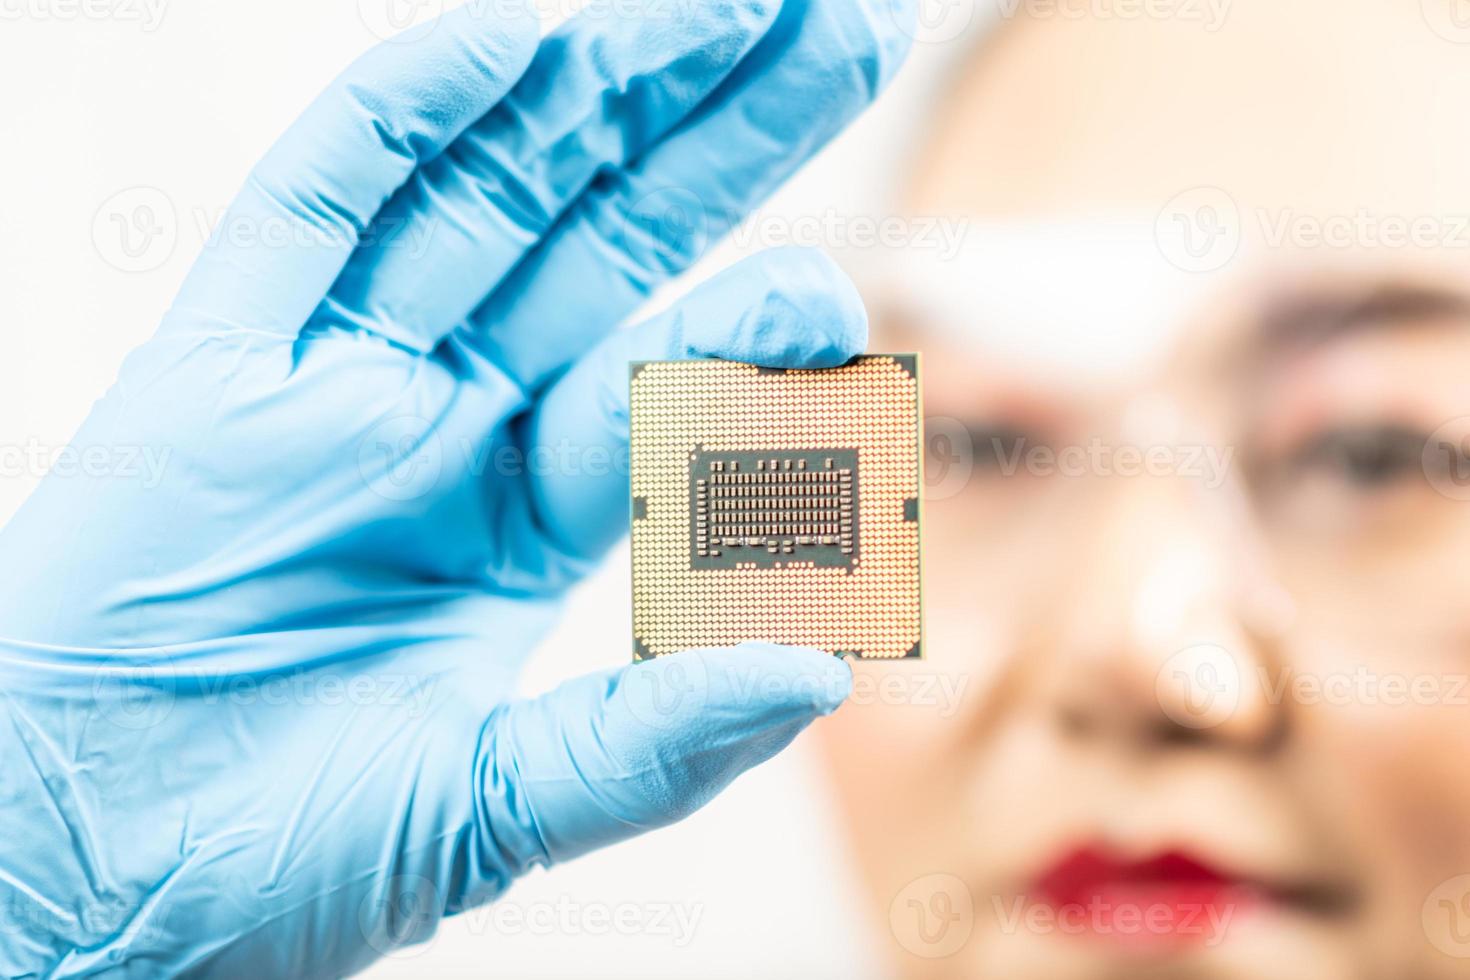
[999, 447]
[959, 450]
[1363, 458]
[976, 454]
[1360, 479]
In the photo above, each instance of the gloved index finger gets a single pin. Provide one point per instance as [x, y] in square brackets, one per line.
[600, 91]
[817, 68]
[302, 211]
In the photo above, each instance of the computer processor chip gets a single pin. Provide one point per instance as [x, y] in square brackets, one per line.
[777, 505]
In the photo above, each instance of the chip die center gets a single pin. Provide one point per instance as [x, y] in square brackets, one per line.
[773, 508]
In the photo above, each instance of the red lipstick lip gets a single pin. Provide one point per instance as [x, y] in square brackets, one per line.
[1090, 868]
[1171, 896]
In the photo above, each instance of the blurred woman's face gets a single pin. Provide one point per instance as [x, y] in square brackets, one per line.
[1198, 625]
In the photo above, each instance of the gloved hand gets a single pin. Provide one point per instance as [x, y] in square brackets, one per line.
[255, 707]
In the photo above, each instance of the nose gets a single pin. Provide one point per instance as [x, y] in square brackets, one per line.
[1161, 627]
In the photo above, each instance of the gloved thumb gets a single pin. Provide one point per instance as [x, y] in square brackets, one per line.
[611, 755]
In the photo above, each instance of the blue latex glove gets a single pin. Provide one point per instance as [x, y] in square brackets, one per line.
[255, 710]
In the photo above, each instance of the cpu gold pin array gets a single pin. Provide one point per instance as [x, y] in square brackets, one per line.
[826, 561]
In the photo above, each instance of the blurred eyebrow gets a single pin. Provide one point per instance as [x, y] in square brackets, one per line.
[1304, 321]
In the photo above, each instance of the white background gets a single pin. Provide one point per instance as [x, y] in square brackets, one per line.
[100, 99]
